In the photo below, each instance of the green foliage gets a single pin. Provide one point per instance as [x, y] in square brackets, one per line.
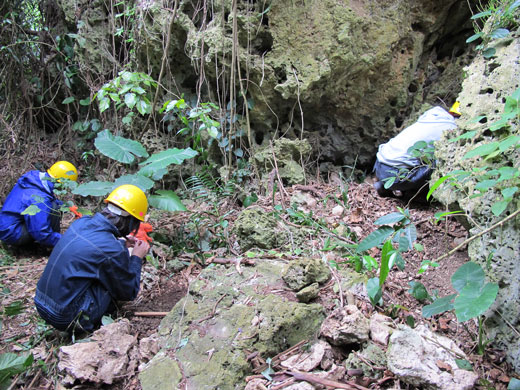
[12, 364]
[496, 20]
[402, 232]
[503, 179]
[166, 200]
[129, 89]
[118, 148]
[472, 299]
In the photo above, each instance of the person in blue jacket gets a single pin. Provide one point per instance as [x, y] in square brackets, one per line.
[35, 188]
[394, 161]
[91, 267]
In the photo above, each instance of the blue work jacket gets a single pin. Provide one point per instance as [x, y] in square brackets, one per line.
[87, 269]
[31, 188]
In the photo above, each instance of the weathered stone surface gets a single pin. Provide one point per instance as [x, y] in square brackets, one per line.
[345, 326]
[110, 355]
[413, 356]
[254, 229]
[372, 353]
[380, 328]
[210, 347]
[304, 272]
[308, 293]
[307, 361]
[488, 84]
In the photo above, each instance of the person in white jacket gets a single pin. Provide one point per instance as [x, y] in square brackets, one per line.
[395, 164]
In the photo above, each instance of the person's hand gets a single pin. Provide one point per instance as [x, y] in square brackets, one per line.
[140, 248]
[130, 241]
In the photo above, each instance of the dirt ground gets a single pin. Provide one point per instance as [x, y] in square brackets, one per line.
[162, 288]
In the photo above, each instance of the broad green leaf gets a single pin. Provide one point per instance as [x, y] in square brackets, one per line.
[140, 181]
[389, 219]
[94, 188]
[469, 134]
[84, 102]
[474, 37]
[438, 306]
[499, 33]
[68, 100]
[385, 257]
[154, 174]
[499, 124]
[467, 273]
[463, 364]
[473, 301]
[507, 173]
[118, 148]
[143, 106]
[418, 291]
[489, 52]
[14, 308]
[167, 157]
[482, 150]
[509, 142]
[375, 238]
[485, 185]
[166, 200]
[31, 210]
[130, 100]
[499, 207]
[509, 192]
[12, 364]
[370, 263]
[374, 291]
[104, 104]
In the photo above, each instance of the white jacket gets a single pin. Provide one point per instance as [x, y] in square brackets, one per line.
[429, 127]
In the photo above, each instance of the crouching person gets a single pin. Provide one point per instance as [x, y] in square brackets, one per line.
[91, 266]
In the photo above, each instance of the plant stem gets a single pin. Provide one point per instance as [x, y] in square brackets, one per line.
[499, 223]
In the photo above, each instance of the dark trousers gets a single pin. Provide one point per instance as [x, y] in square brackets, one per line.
[413, 179]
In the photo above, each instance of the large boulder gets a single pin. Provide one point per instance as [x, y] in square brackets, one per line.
[206, 335]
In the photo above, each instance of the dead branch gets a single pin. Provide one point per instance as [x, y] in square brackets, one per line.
[325, 382]
[281, 356]
[151, 313]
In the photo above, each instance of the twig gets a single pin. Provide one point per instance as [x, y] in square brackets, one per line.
[326, 382]
[508, 323]
[499, 223]
[37, 376]
[444, 347]
[151, 313]
[277, 358]
[210, 315]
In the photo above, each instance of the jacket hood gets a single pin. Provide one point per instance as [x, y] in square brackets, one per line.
[37, 179]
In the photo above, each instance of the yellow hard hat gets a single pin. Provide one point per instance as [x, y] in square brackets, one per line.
[63, 169]
[131, 199]
[455, 109]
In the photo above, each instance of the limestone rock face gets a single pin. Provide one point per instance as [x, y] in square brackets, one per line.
[342, 74]
[484, 91]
